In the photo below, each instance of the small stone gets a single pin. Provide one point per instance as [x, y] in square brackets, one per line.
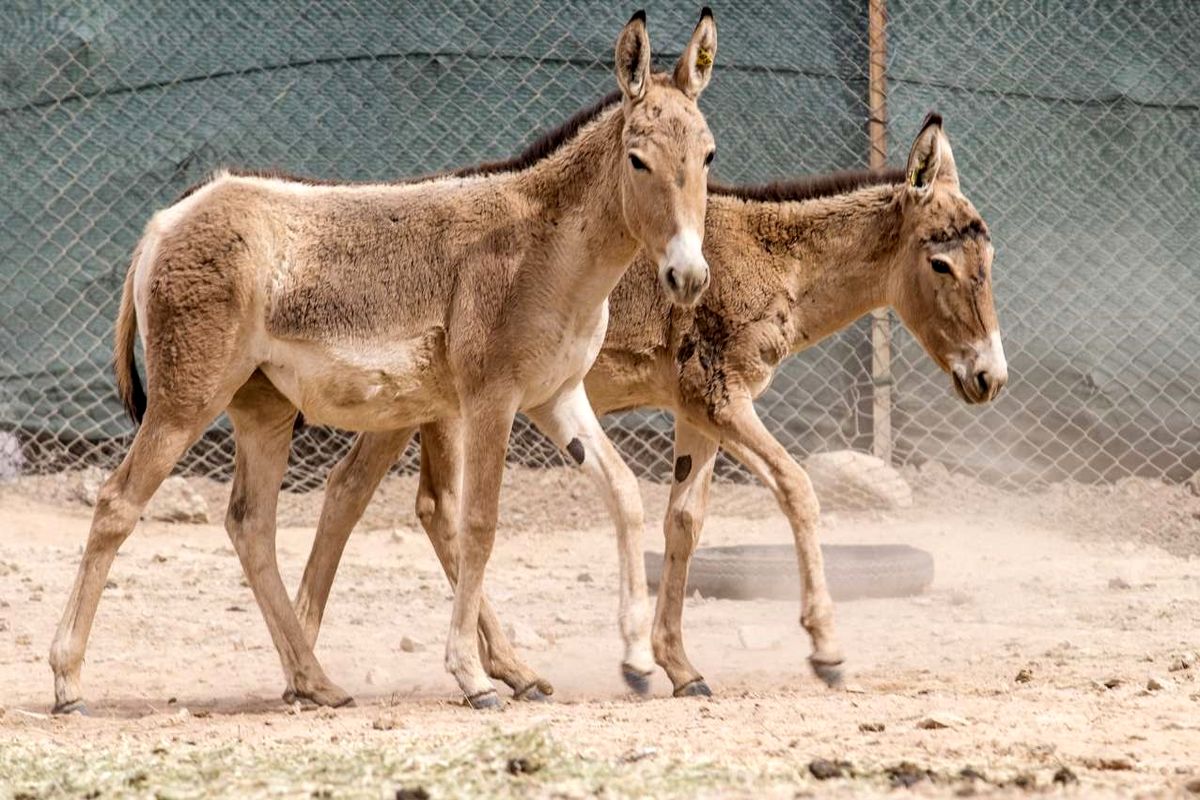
[584, 577]
[87, 485]
[1193, 483]
[1181, 662]
[1119, 584]
[971, 774]
[1112, 763]
[385, 722]
[411, 645]
[823, 769]
[525, 637]
[1024, 676]
[1157, 683]
[412, 793]
[159, 558]
[639, 754]
[941, 719]
[905, 774]
[1112, 683]
[523, 766]
[3, 625]
[1065, 777]
[562, 618]
[871, 727]
[1192, 786]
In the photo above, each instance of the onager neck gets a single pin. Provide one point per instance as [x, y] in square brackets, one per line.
[589, 246]
[833, 254]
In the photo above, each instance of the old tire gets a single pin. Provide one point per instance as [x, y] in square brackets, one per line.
[745, 572]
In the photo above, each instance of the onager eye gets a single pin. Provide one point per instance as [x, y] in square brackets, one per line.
[637, 163]
[708, 159]
[940, 265]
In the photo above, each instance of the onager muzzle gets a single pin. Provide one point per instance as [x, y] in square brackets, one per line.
[683, 271]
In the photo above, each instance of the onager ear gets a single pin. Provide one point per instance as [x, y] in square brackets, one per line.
[930, 159]
[633, 57]
[694, 70]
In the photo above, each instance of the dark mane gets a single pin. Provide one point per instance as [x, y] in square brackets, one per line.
[544, 145]
[811, 188]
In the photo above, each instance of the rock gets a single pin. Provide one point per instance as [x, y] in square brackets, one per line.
[1157, 683]
[563, 618]
[1181, 662]
[1112, 683]
[823, 769]
[757, 637]
[1024, 676]
[176, 501]
[971, 774]
[871, 727]
[385, 722]
[941, 719]
[523, 766]
[3, 626]
[1065, 777]
[1192, 786]
[12, 459]
[584, 577]
[87, 485]
[851, 480]
[906, 774]
[411, 645]
[1112, 763]
[412, 793]
[525, 637]
[1192, 484]
[1119, 584]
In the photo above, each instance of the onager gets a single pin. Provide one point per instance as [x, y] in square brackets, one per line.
[792, 263]
[383, 306]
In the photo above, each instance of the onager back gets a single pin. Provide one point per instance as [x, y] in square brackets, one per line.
[792, 264]
[373, 307]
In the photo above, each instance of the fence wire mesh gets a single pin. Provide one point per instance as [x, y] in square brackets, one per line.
[1074, 129]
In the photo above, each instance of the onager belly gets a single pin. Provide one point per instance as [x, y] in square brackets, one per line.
[372, 385]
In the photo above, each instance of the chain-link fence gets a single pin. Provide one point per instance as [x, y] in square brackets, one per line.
[1075, 130]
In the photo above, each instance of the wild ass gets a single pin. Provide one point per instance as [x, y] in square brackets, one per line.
[377, 307]
[791, 263]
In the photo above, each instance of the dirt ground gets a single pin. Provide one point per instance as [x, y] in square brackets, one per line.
[1087, 593]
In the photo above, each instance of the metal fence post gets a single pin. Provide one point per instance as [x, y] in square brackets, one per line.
[881, 325]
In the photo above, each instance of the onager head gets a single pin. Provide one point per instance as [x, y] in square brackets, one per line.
[668, 149]
[941, 283]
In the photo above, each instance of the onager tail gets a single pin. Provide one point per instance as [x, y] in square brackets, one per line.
[128, 382]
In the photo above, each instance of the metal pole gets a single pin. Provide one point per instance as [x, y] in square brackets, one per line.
[881, 325]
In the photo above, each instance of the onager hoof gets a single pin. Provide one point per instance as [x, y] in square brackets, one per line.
[830, 674]
[331, 696]
[77, 707]
[636, 680]
[536, 692]
[485, 701]
[696, 688]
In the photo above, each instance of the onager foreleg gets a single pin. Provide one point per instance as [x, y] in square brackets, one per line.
[695, 456]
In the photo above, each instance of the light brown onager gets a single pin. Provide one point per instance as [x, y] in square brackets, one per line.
[377, 307]
[791, 263]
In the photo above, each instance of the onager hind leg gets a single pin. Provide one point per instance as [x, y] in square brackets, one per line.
[158, 445]
[751, 443]
[571, 423]
[695, 456]
[262, 424]
[347, 492]
[438, 510]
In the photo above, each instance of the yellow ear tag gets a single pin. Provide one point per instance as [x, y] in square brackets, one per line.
[912, 176]
[703, 57]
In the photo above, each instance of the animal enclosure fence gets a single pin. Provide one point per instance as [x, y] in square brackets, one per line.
[1074, 128]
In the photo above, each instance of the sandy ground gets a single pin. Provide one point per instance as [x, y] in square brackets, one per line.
[1081, 587]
